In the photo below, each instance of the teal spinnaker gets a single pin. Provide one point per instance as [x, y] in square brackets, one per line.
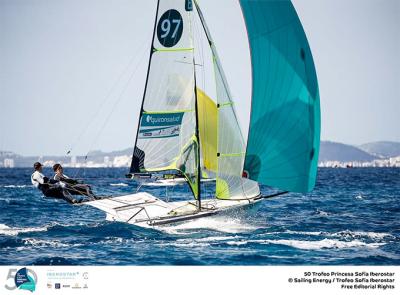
[284, 131]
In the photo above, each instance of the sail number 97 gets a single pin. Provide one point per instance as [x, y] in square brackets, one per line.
[166, 27]
[170, 28]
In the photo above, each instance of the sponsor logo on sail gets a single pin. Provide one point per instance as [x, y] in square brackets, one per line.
[164, 120]
[160, 125]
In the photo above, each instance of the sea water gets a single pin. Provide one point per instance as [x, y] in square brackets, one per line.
[352, 217]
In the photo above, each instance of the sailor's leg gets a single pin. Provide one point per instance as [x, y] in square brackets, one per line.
[69, 198]
[85, 189]
[90, 192]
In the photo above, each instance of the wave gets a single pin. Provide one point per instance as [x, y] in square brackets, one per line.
[361, 234]
[46, 243]
[299, 244]
[14, 231]
[211, 223]
[192, 244]
[16, 186]
[118, 184]
[360, 197]
[209, 239]
[217, 238]
[12, 200]
[343, 234]
[322, 213]
[236, 243]
[113, 240]
[311, 245]
[306, 233]
[322, 244]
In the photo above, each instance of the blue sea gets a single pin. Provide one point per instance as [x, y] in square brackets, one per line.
[351, 218]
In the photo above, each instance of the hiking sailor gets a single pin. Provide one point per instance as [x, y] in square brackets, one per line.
[49, 187]
[73, 186]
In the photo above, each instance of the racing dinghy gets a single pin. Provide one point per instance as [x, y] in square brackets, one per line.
[188, 123]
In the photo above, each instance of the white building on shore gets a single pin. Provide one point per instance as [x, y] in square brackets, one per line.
[9, 163]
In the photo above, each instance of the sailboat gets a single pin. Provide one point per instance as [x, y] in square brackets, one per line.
[185, 130]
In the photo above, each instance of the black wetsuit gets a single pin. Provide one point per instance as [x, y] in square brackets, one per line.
[51, 189]
[74, 187]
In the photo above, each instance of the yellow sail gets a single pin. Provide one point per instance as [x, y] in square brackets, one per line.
[208, 122]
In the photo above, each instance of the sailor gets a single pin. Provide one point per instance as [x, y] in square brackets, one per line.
[49, 187]
[73, 186]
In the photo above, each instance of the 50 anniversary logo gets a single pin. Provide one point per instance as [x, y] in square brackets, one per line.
[23, 279]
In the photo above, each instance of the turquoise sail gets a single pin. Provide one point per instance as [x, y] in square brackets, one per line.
[284, 131]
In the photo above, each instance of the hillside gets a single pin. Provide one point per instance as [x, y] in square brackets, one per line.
[334, 151]
[384, 149]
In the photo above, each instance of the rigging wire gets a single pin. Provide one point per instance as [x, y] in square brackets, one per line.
[92, 118]
[119, 98]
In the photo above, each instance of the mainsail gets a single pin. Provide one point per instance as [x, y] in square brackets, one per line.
[283, 140]
[167, 135]
[180, 127]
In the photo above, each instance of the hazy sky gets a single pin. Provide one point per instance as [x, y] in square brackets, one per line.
[72, 72]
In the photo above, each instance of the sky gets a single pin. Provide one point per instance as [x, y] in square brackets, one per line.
[72, 73]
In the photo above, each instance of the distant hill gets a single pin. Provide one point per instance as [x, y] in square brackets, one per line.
[334, 151]
[383, 149]
[329, 151]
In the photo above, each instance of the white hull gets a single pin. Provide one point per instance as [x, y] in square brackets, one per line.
[145, 210]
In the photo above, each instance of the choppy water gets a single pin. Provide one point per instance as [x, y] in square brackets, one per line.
[351, 218]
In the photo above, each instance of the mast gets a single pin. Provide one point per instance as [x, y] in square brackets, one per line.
[198, 139]
[197, 132]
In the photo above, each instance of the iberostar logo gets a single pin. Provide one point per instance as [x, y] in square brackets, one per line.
[24, 279]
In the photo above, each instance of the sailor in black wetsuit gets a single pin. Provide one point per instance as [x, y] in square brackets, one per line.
[50, 187]
[73, 186]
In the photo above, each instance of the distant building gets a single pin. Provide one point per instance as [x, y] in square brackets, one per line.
[122, 161]
[394, 162]
[391, 162]
[107, 162]
[9, 163]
